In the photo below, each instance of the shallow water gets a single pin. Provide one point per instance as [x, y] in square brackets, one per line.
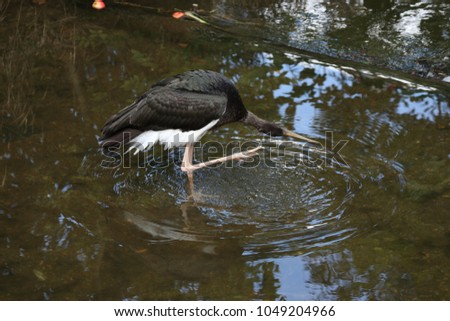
[372, 225]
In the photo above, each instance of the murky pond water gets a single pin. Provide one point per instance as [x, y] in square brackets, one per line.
[372, 225]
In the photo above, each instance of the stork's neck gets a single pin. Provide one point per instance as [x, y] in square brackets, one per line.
[262, 125]
[255, 121]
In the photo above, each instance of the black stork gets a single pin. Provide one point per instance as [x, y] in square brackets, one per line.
[179, 110]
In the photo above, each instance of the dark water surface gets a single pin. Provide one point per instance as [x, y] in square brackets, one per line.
[372, 226]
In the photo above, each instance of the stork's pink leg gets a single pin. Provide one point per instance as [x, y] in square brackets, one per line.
[189, 167]
[186, 166]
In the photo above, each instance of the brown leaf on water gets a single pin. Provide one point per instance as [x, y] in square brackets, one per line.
[178, 14]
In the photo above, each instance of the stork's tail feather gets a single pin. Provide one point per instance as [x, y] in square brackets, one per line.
[118, 122]
[119, 138]
[117, 130]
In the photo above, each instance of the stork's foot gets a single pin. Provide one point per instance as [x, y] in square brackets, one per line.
[189, 168]
[193, 195]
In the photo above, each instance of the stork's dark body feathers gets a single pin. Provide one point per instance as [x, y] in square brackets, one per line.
[178, 111]
[187, 102]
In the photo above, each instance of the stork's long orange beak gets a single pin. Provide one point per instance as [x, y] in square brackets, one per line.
[295, 135]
